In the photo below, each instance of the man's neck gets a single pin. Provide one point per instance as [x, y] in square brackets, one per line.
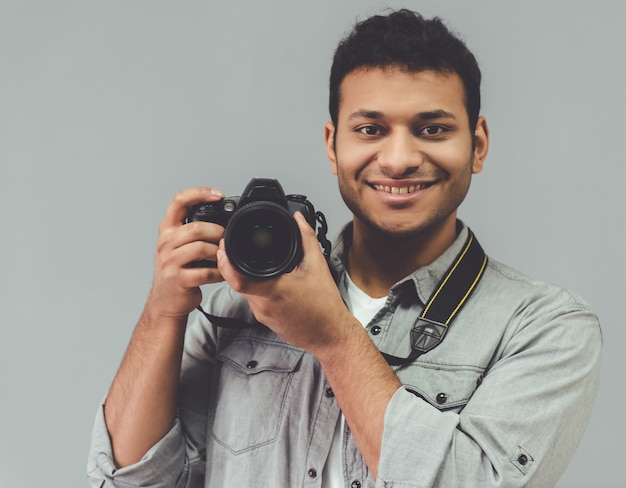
[376, 262]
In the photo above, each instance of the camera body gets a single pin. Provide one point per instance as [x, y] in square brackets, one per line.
[262, 239]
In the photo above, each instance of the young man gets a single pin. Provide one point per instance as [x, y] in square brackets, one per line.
[424, 364]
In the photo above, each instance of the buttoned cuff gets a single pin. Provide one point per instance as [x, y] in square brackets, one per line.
[416, 438]
[161, 467]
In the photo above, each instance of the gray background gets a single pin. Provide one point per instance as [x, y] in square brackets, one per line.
[109, 108]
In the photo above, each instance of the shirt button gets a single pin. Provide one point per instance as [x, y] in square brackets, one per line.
[441, 398]
[355, 484]
[252, 364]
[312, 472]
[375, 330]
[522, 459]
[329, 392]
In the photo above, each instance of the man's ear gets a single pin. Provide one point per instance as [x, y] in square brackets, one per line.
[481, 144]
[329, 140]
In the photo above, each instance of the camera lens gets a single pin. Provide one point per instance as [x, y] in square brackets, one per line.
[262, 237]
[263, 240]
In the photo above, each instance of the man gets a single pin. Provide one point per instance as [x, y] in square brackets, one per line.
[351, 382]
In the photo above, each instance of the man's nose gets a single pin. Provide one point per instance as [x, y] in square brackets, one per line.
[399, 154]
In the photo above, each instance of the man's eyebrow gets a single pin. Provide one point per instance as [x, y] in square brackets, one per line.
[366, 114]
[426, 115]
[435, 114]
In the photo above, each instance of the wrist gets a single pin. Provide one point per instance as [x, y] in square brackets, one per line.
[167, 305]
[154, 315]
[345, 336]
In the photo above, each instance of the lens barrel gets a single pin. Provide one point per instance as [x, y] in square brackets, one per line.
[263, 240]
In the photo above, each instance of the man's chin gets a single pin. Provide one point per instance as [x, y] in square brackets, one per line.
[401, 231]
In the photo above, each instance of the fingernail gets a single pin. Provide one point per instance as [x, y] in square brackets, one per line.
[216, 193]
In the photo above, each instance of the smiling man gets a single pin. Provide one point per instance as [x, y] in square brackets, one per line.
[417, 362]
[403, 149]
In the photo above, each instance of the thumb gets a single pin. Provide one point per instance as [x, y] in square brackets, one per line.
[309, 239]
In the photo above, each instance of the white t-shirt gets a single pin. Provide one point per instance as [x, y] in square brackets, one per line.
[363, 307]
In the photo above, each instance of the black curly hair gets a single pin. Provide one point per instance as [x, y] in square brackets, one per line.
[406, 40]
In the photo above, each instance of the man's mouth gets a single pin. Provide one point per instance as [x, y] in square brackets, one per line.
[401, 190]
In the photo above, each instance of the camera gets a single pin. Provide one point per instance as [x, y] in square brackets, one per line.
[261, 237]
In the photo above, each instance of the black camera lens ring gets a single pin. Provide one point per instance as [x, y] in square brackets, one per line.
[237, 237]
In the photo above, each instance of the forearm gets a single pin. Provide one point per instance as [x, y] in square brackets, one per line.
[363, 384]
[141, 404]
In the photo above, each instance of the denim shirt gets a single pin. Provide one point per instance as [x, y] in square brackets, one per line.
[501, 402]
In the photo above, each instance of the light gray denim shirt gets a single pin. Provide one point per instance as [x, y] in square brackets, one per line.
[501, 402]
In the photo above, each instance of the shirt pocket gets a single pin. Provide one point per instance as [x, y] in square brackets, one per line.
[252, 392]
[446, 387]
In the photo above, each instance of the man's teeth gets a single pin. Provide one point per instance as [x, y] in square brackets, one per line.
[400, 190]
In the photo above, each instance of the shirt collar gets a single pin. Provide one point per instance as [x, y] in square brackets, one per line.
[424, 280]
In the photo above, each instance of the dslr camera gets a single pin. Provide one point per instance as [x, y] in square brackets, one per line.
[262, 239]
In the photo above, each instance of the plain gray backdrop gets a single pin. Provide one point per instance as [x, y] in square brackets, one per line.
[108, 108]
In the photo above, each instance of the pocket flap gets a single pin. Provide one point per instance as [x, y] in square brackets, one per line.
[251, 356]
[444, 387]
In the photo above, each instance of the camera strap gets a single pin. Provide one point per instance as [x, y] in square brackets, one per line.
[443, 306]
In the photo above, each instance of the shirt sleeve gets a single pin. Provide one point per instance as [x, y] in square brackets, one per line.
[521, 425]
[170, 463]
[178, 459]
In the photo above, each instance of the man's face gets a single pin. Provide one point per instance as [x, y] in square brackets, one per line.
[402, 150]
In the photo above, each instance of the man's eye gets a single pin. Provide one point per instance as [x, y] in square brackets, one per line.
[433, 130]
[370, 130]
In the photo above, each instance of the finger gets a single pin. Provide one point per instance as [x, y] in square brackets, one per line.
[310, 243]
[236, 280]
[178, 208]
[196, 231]
[172, 239]
[171, 262]
[225, 267]
[193, 254]
[177, 266]
[194, 277]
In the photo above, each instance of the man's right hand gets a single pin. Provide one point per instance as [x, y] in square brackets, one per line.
[176, 287]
